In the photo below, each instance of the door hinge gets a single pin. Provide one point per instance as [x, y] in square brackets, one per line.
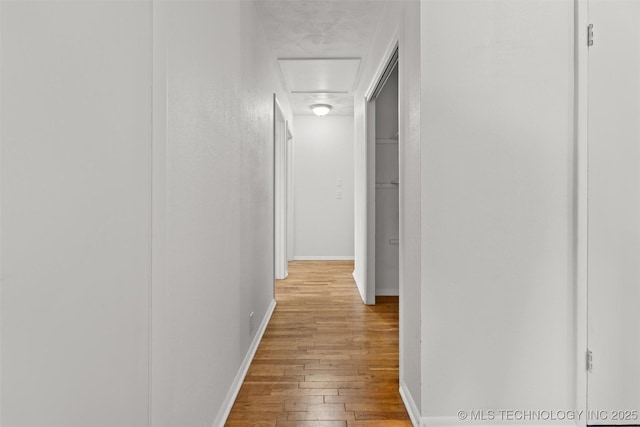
[589, 361]
[590, 35]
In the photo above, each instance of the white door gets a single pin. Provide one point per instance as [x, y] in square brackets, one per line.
[614, 212]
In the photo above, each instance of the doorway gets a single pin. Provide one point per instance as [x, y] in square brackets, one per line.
[387, 207]
[383, 258]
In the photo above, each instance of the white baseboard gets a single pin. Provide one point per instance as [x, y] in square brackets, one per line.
[443, 422]
[358, 285]
[323, 258]
[225, 410]
[419, 421]
[388, 292]
[410, 404]
[456, 421]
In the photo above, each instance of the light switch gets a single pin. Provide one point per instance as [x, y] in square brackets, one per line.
[339, 194]
[339, 182]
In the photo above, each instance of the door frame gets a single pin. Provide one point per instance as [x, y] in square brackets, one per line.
[290, 192]
[280, 193]
[370, 166]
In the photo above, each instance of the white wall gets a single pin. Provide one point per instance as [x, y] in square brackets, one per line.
[402, 23]
[497, 231]
[323, 154]
[137, 209]
[76, 213]
[410, 202]
[214, 211]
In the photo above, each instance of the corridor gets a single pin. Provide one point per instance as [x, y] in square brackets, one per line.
[325, 359]
[161, 161]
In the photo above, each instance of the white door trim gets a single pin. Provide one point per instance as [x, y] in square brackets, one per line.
[280, 190]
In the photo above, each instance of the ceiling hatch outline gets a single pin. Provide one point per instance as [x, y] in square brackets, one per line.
[319, 75]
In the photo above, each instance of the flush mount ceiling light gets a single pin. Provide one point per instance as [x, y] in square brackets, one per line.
[320, 109]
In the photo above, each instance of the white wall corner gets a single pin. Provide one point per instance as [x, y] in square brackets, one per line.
[410, 404]
[225, 410]
[388, 292]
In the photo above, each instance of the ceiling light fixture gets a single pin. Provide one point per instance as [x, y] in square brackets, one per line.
[320, 109]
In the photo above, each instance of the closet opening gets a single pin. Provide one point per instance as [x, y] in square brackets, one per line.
[383, 164]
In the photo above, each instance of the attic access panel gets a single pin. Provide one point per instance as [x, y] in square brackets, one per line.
[319, 75]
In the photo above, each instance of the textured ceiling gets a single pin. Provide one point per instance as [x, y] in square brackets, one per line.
[320, 29]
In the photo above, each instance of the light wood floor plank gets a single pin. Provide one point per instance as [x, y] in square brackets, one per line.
[325, 359]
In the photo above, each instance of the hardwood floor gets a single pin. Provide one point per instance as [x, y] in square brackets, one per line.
[325, 359]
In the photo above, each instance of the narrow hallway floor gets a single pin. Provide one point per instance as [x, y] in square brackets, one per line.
[326, 359]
